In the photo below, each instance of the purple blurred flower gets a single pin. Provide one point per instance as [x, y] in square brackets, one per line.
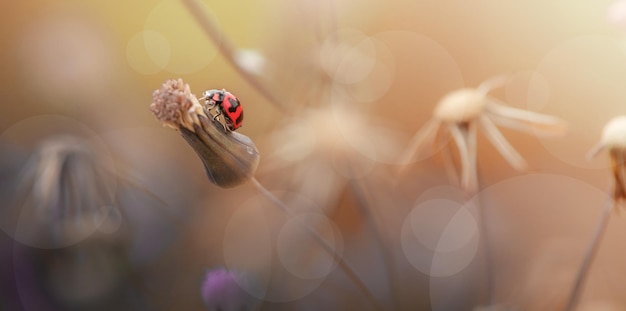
[227, 290]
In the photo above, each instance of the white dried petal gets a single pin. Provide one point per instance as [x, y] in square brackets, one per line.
[502, 145]
[515, 118]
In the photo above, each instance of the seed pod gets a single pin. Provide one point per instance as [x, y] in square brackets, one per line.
[229, 158]
[65, 193]
[614, 141]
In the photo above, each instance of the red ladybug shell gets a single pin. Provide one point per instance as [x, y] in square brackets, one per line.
[232, 110]
[229, 105]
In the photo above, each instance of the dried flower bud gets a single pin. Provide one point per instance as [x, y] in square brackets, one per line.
[614, 134]
[226, 290]
[229, 158]
[614, 140]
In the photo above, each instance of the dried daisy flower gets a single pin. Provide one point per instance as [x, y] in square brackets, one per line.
[462, 111]
[227, 290]
[328, 152]
[229, 158]
[614, 141]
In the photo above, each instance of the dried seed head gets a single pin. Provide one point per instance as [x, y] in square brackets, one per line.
[66, 192]
[461, 106]
[614, 134]
[614, 141]
[229, 158]
[175, 105]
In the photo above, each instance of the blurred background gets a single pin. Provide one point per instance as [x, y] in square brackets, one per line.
[101, 207]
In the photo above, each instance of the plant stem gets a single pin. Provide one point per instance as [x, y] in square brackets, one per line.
[227, 49]
[323, 243]
[590, 254]
[484, 237]
[465, 137]
[361, 190]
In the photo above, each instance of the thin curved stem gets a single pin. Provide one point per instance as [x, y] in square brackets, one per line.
[323, 243]
[228, 50]
[361, 191]
[590, 254]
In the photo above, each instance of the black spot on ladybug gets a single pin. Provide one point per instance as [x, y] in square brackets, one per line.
[234, 104]
[239, 118]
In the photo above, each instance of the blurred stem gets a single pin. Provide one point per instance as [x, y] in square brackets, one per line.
[590, 254]
[323, 243]
[466, 138]
[227, 49]
[130, 182]
[333, 20]
[484, 234]
[360, 188]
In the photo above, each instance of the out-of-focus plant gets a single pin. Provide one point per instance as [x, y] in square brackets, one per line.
[461, 112]
[65, 192]
[613, 140]
[229, 158]
[226, 290]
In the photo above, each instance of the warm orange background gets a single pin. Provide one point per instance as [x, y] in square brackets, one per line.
[98, 62]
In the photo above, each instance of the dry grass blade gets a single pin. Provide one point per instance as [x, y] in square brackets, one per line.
[227, 49]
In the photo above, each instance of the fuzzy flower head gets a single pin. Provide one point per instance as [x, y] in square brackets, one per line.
[229, 158]
[224, 290]
[175, 106]
[614, 141]
[461, 112]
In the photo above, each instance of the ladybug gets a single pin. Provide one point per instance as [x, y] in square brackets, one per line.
[228, 105]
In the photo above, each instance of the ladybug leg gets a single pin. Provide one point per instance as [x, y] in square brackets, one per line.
[208, 103]
[219, 112]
